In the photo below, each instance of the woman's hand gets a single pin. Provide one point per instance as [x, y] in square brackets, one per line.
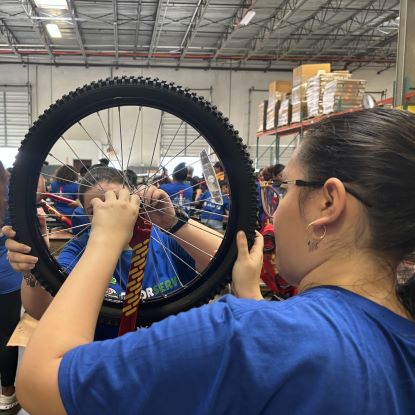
[157, 207]
[18, 254]
[247, 268]
[114, 218]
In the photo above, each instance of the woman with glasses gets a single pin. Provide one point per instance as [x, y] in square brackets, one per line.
[344, 345]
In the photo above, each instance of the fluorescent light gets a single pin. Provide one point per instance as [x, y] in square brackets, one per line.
[53, 30]
[51, 4]
[249, 15]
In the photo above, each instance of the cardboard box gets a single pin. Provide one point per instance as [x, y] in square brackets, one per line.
[343, 94]
[284, 114]
[280, 86]
[304, 72]
[299, 103]
[272, 115]
[278, 89]
[262, 116]
[316, 87]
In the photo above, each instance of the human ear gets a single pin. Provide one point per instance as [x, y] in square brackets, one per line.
[332, 202]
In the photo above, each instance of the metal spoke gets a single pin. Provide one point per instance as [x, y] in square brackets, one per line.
[77, 256]
[68, 216]
[191, 164]
[187, 204]
[70, 181]
[180, 152]
[155, 269]
[177, 193]
[183, 240]
[122, 155]
[68, 242]
[69, 193]
[155, 145]
[168, 148]
[164, 249]
[76, 155]
[109, 140]
[66, 229]
[102, 151]
[182, 220]
[132, 143]
[181, 259]
[63, 164]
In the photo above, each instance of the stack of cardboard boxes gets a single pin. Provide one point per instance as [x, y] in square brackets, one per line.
[315, 90]
[262, 117]
[276, 93]
[284, 114]
[343, 94]
[301, 75]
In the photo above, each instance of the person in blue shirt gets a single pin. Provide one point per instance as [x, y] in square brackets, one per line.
[180, 192]
[10, 305]
[171, 261]
[214, 214]
[65, 184]
[345, 345]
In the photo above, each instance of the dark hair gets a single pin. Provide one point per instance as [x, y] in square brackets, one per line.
[277, 169]
[373, 152]
[180, 172]
[3, 193]
[83, 170]
[98, 175]
[131, 177]
[218, 165]
[104, 162]
[65, 174]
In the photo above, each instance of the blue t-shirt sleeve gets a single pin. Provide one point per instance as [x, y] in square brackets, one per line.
[182, 359]
[72, 252]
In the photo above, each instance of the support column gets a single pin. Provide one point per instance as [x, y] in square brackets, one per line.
[405, 75]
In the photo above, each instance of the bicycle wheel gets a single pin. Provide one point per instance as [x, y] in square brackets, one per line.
[87, 114]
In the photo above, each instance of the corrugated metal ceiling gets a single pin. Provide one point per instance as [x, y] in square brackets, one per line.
[202, 33]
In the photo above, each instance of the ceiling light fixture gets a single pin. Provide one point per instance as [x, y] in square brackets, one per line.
[249, 15]
[53, 30]
[51, 4]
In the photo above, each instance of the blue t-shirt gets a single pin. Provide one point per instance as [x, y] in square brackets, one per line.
[179, 193]
[79, 218]
[326, 351]
[164, 271]
[212, 210]
[10, 280]
[68, 190]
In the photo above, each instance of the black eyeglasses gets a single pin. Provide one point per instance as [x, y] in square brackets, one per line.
[302, 183]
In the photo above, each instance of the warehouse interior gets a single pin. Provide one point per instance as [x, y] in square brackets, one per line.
[202, 104]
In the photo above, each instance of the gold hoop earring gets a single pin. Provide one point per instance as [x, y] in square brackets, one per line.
[314, 241]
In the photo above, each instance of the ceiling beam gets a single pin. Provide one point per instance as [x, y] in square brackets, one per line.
[137, 26]
[193, 27]
[115, 23]
[280, 15]
[319, 16]
[234, 26]
[153, 45]
[72, 11]
[10, 38]
[344, 32]
[37, 25]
